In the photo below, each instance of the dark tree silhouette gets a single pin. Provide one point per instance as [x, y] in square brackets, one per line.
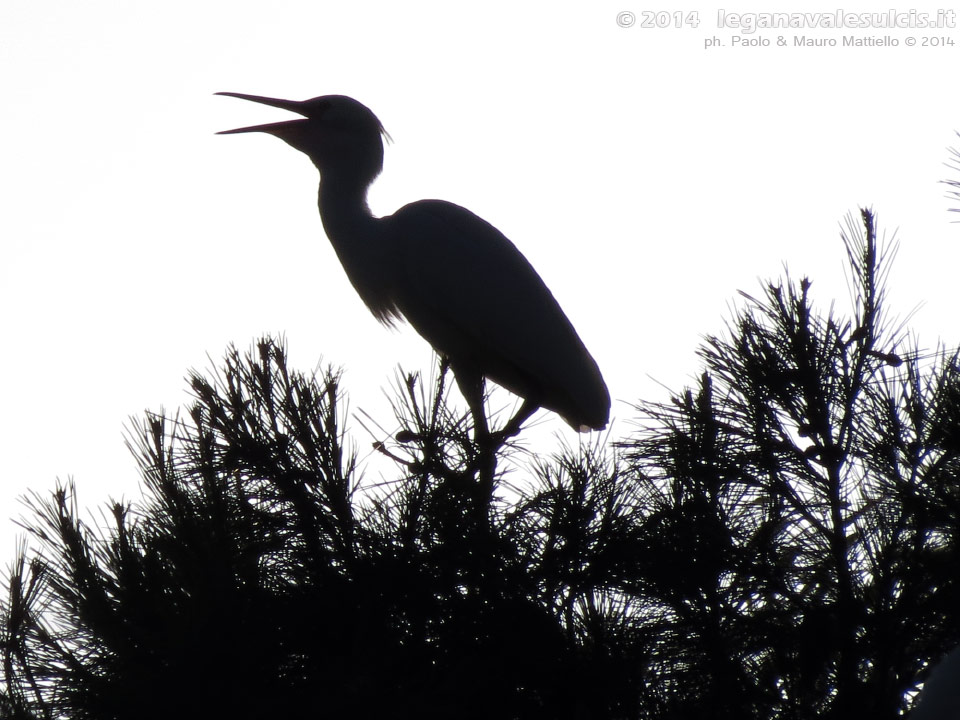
[953, 162]
[778, 542]
[807, 495]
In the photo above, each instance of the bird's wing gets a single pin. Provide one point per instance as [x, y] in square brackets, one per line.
[471, 293]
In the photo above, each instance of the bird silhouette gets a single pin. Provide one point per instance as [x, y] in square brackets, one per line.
[453, 276]
[940, 698]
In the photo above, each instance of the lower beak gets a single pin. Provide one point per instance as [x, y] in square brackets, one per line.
[278, 128]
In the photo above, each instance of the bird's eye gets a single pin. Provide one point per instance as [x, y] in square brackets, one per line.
[316, 107]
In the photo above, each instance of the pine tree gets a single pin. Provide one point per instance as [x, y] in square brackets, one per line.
[807, 494]
[779, 541]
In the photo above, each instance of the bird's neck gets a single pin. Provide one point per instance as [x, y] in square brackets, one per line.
[358, 238]
[344, 210]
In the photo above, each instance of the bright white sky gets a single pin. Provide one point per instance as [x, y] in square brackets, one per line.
[646, 177]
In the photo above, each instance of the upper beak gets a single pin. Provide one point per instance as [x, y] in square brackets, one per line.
[272, 128]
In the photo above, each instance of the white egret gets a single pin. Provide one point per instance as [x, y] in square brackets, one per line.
[457, 279]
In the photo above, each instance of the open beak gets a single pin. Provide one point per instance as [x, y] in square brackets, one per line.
[276, 128]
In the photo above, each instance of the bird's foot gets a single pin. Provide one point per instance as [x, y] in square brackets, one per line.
[405, 437]
[514, 425]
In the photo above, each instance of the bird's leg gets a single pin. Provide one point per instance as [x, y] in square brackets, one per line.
[527, 409]
[485, 442]
[481, 431]
[471, 386]
[470, 383]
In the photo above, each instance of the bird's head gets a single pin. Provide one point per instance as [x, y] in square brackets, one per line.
[342, 136]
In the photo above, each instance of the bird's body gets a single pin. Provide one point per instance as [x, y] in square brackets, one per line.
[457, 279]
[940, 698]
